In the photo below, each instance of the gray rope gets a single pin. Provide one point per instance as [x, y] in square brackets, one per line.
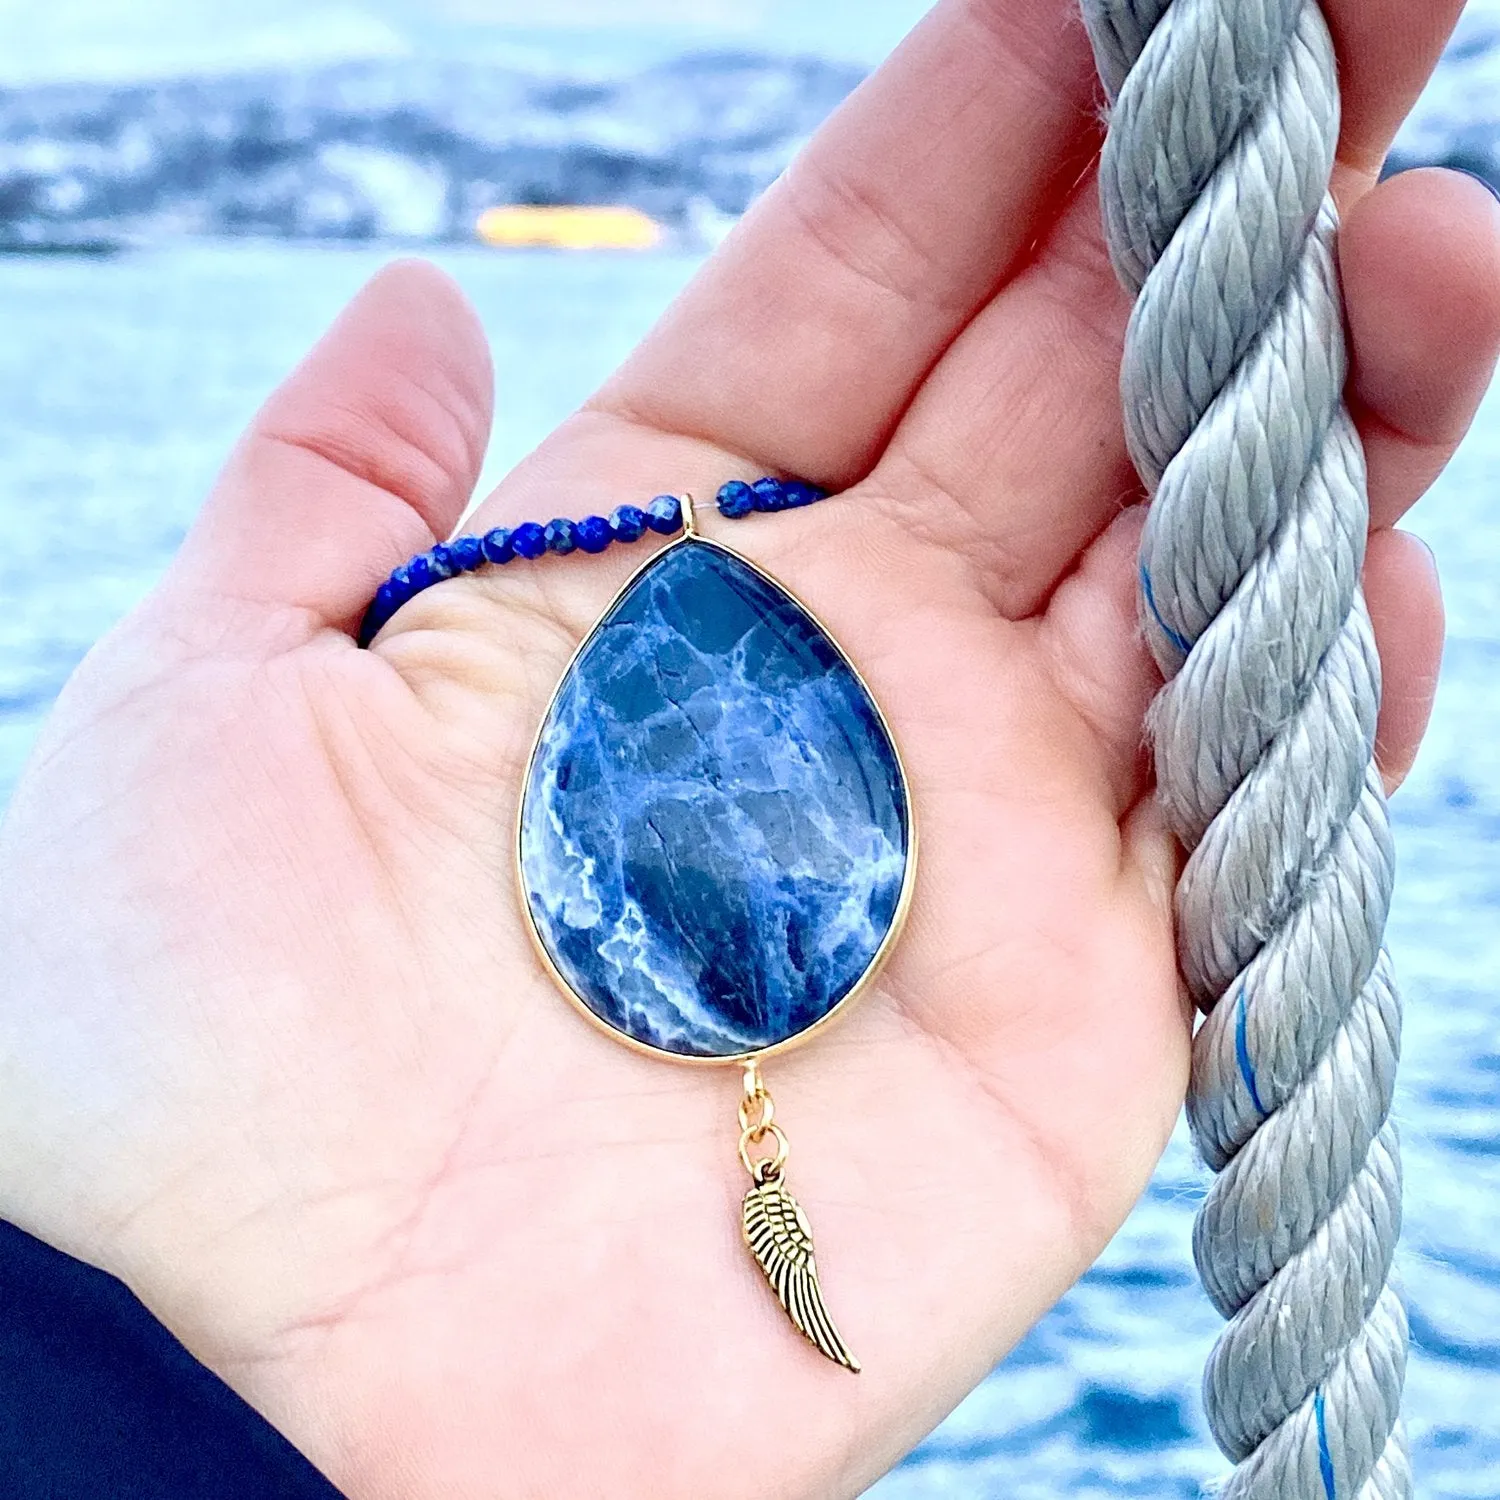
[1214, 180]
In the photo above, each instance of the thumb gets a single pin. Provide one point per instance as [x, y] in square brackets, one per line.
[366, 454]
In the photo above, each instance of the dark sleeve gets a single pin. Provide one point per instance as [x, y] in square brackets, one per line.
[99, 1402]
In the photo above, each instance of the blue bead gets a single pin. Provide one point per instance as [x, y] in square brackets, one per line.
[736, 499]
[628, 523]
[468, 553]
[715, 831]
[664, 514]
[561, 536]
[497, 547]
[399, 584]
[419, 573]
[440, 560]
[528, 540]
[769, 494]
[371, 625]
[798, 494]
[593, 533]
[385, 601]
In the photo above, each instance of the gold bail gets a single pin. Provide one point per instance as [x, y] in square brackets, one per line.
[757, 1121]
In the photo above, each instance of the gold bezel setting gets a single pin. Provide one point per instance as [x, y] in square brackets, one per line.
[692, 536]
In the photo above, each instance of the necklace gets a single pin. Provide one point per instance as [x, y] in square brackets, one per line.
[715, 846]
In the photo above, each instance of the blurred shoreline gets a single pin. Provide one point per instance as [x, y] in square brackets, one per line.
[411, 151]
[404, 152]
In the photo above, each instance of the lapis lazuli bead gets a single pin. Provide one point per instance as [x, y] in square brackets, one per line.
[769, 494]
[736, 499]
[795, 494]
[593, 533]
[664, 514]
[497, 547]
[440, 560]
[419, 573]
[561, 536]
[467, 553]
[528, 540]
[627, 523]
[715, 834]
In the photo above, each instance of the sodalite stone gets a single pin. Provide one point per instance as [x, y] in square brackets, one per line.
[714, 836]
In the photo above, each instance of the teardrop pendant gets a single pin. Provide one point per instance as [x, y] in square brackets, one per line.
[716, 844]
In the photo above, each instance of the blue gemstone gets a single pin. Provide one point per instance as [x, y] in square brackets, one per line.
[797, 494]
[664, 514]
[440, 560]
[715, 833]
[419, 573]
[497, 547]
[736, 499]
[628, 523]
[400, 580]
[385, 604]
[560, 536]
[467, 552]
[593, 533]
[769, 494]
[528, 540]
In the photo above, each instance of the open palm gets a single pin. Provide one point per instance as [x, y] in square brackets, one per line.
[274, 1046]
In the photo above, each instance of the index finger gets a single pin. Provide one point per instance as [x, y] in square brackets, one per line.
[803, 339]
[1387, 50]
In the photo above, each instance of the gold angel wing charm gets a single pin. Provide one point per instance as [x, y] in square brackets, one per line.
[778, 1234]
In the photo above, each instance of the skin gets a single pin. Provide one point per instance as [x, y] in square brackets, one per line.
[273, 1045]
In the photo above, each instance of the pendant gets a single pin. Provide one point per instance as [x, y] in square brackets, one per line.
[716, 847]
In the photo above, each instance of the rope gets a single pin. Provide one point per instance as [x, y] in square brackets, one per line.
[1214, 181]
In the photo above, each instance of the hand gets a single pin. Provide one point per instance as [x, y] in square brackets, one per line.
[274, 1047]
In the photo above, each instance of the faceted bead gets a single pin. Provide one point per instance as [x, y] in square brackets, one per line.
[664, 514]
[372, 624]
[528, 540]
[561, 536]
[400, 584]
[628, 523]
[497, 547]
[769, 494]
[736, 499]
[419, 573]
[593, 533]
[440, 560]
[468, 553]
[797, 494]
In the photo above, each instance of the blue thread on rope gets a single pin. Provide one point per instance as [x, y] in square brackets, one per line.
[1325, 1458]
[1182, 643]
[627, 523]
[1242, 1054]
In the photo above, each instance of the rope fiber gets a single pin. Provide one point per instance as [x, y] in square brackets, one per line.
[1214, 180]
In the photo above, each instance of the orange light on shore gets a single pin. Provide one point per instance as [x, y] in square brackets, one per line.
[569, 227]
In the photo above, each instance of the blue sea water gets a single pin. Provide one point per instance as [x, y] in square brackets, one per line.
[122, 384]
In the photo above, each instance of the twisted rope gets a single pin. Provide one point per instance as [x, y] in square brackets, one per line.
[1214, 180]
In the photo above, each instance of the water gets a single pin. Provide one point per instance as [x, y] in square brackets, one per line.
[123, 383]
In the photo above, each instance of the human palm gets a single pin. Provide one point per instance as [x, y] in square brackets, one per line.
[274, 1046]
